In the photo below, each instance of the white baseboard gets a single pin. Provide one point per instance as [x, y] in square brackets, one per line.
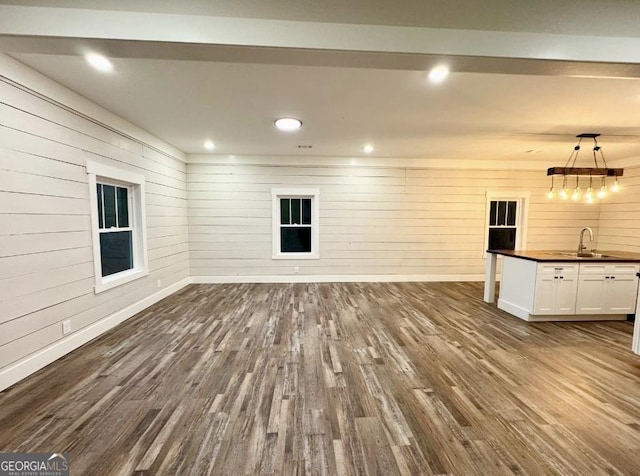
[578, 318]
[34, 362]
[524, 314]
[307, 278]
[511, 308]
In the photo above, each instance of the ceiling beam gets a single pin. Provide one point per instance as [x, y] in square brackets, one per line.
[50, 23]
[307, 57]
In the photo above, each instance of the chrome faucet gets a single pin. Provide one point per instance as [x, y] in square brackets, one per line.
[581, 246]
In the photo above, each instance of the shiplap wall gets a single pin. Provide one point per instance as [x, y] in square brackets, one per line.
[620, 215]
[46, 261]
[374, 221]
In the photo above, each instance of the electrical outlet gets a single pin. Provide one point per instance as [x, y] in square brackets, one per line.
[296, 269]
[66, 326]
[159, 283]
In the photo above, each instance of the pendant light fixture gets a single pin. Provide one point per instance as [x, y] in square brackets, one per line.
[601, 172]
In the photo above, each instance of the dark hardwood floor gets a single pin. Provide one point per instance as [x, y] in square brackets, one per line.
[402, 378]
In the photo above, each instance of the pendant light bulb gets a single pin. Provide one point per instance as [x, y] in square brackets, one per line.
[563, 193]
[616, 186]
[603, 189]
[576, 194]
[602, 192]
[589, 194]
[552, 191]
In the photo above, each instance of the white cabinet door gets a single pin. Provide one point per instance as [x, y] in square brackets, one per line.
[545, 297]
[555, 294]
[592, 289]
[607, 288]
[621, 294]
[566, 288]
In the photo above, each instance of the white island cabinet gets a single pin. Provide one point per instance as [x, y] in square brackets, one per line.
[607, 288]
[538, 290]
[556, 287]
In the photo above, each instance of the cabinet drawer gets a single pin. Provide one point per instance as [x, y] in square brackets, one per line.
[557, 268]
[624, 268]
[595, 268]
[608, 268]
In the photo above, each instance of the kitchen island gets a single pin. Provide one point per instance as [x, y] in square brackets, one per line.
[564, 286]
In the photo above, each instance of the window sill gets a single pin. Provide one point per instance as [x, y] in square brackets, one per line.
[119, 279]
[296, 256]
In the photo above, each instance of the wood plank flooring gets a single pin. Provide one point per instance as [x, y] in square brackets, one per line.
[336, 379]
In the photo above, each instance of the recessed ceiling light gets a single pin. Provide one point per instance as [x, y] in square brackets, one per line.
[368, 148]
[99, 62]
[209, 145]
[438, 74]
[288, 124]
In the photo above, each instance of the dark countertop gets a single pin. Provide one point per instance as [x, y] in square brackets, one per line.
[565, 255]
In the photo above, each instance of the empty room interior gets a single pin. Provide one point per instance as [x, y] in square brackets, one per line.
[328, 237]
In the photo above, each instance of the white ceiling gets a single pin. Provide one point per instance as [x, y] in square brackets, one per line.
[487, 109]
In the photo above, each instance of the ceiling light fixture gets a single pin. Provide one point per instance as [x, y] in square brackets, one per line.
[99, 62]
[600, 170]
[438, 74]
[368, 148]
[209, 145]
[288, 124]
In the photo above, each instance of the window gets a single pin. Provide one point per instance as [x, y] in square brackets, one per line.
[118, 225]
[506, 220]
[295, 223]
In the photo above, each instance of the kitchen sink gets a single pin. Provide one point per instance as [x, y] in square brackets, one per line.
[581, 255]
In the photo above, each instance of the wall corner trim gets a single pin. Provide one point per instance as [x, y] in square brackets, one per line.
[17, 371]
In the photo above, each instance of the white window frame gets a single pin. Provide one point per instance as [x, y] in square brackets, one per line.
[314, 195]
[105, 174]
[522, 215]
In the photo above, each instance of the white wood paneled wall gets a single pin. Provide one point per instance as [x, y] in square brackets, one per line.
[620, 215]
[46, 268]
[395, 222]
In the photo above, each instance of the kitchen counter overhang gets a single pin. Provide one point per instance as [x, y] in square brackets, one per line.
[568, 256]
